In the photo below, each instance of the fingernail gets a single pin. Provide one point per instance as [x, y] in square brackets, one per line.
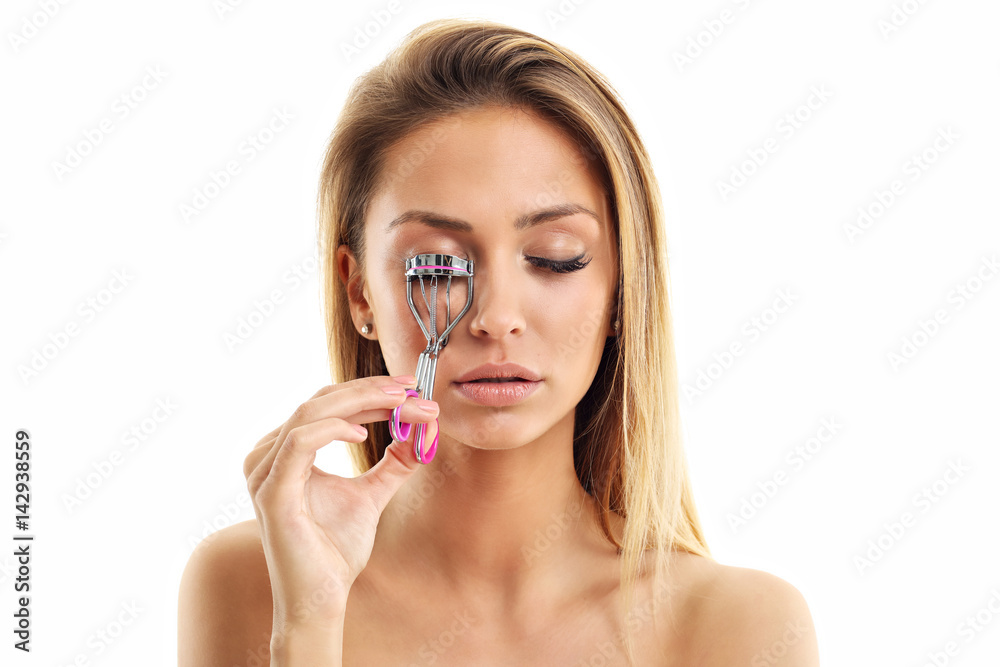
[360, 429]
[404, 379]
[426, 406]
[394, 391]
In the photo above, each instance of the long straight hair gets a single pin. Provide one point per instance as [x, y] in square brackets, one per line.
[627, 444]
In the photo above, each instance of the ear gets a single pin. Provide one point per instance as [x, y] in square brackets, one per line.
[350, 274]
[611, 325]
[615, 313]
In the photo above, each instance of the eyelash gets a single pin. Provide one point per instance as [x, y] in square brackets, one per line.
[568, 266]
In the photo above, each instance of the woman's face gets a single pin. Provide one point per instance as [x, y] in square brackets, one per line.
[468, 186]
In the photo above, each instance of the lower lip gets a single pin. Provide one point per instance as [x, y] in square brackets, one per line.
[497, 393]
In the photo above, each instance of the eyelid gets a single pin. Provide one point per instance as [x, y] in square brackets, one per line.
[561, 266]
[414, 253]
[559, 261]
[465, 256]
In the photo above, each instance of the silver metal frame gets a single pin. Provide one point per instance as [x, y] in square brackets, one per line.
[433, 266]
[427, 265]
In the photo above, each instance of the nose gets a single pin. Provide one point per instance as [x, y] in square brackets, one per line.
[496, 310]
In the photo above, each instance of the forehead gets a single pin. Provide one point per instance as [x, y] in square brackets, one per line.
[489, 166]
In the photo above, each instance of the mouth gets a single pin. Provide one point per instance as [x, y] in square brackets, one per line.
[514, 379]
[497, 392]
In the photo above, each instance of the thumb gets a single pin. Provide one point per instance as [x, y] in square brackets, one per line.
[397, 465]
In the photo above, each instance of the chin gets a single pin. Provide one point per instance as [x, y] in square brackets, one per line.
[496, 431]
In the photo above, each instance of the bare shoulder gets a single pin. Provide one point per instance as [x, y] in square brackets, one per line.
[748, 616]
[224, 602]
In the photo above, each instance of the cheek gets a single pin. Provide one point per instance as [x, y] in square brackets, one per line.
[586, 302]
[399, 335]
[572, 326]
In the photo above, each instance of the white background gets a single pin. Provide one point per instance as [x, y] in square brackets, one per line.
[855, 299]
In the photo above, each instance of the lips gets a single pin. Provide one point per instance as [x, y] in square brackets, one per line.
[499, 380]
[497, 394]
[506, 371]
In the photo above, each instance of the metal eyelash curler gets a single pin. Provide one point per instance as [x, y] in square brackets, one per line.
[434, 267]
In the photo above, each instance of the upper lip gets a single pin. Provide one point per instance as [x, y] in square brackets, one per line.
[500, 371]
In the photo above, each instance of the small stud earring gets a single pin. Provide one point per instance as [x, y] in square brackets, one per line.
[366, 329]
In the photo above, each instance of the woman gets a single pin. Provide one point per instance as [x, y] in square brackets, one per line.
[556, 527]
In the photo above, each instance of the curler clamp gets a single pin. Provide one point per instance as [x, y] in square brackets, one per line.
[432, 267]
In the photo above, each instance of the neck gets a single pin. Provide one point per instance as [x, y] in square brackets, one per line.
[503, 522]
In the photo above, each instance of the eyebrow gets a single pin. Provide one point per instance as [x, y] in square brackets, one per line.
[521, 223]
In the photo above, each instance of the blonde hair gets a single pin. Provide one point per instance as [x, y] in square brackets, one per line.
[627, 440]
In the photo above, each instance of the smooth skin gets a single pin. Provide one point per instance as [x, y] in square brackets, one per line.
[490, 555]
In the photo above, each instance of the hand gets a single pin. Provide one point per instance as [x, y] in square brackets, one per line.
[318, 529]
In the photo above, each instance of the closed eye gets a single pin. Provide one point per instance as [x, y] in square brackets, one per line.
[567, 266]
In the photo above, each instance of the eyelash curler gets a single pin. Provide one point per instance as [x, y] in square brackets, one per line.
[433, 267]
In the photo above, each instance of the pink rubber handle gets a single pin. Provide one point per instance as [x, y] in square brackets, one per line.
[401, 431]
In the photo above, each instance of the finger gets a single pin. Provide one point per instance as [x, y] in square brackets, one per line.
[269, 437]
[397, 465]
[339, 404]
[254, 468]
[376, 380]
[295, 457]
[257, 465]
[304, 415]
[324, 404]
[267, 448]
[257, 454]
[408, 413]
[265, 443]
